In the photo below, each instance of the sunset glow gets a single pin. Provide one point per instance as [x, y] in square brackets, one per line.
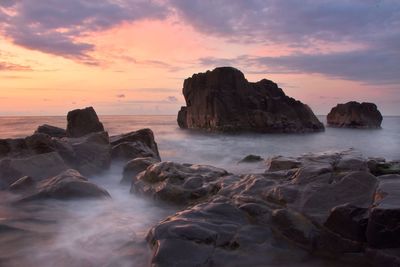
[131, 57]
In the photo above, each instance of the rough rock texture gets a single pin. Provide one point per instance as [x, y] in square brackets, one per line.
[52, 131]
[134, 167]
[223, 100]
[69, 184]
[178, 183]
[134, 145]
[326, 204]
[355, 115]
[82, 122]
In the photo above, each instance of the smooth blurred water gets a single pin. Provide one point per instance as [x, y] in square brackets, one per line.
[225, 150]
[91, 233]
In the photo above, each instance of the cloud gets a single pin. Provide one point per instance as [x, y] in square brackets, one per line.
[292, 21]
[7, 66]
[172, 99]
[120, 96]
[377, 65]
[54, 26]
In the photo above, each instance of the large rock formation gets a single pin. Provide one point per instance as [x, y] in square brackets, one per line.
[223, 100]
[82, 122]
[355, 115]
[52, 131]
[325, 204]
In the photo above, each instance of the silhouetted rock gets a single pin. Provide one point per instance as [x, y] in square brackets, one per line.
[223, 100]
[355, 115]
[82, 122]
[52, 131]
[138, 144]
[37, 143]
[136, 166]
[69, 184]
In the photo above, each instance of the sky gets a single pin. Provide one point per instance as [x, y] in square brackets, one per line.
[132, 56]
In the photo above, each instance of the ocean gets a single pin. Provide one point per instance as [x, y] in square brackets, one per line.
[93, 233]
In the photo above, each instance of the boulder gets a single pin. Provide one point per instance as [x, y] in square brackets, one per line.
[178, 183]
[383, 229]
[138, 144]
[134, 167]
[223, 100]
[69, 184]
[82, 122]
[89, 154]
[278, 163]
[52, 131]
[38, 167]
[355, 115]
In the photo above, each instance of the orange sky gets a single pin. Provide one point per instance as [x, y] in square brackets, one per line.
[140, 67]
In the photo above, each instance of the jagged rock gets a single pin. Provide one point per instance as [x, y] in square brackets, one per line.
[136, 166]
[383, 229]
[139, 144]
[70, 184]
[223, 100]
[52, 131]
[37, 166]
[251, 159]
[178, 183]
[355, 115]
[82, 122]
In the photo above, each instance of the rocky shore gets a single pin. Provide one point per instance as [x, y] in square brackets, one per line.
[335, 207]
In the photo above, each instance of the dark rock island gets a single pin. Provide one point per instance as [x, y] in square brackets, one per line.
[355, 115]
[223, 100]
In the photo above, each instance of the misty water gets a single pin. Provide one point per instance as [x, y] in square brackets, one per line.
[97, 233]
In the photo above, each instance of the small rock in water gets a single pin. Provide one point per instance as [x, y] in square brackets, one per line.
[251, 159]
[355, 115]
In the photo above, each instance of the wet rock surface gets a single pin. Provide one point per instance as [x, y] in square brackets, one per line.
[355, 115]
[178, 183]
[327, 204]
[223, 100]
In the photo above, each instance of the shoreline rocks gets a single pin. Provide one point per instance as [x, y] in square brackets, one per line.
[223, 100]
[327, 204]
[355, 115]
[82, 122]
